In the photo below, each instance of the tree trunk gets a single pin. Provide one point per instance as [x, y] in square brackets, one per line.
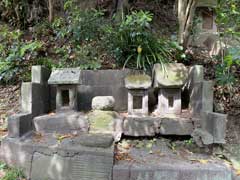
[186, 11]
[50, 10]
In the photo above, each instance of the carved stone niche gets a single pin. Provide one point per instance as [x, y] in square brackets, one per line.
[138, 86]
[66, 82]
[169, 82]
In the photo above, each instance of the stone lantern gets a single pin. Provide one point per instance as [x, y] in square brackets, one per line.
[138, 86]
[169, 80]
[66, 81]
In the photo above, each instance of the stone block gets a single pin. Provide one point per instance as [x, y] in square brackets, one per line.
[87, 93]
[141, 126]
[40, 74]
[201, 98]
[176, 126]
[103, 103]
[215, 124]
[141, 81]
[173, 75]
[61, 122]
[202, 137]
[96, 140]
[65, 76]
[196, 74]
[169, 101]
[19, 124]
[35, 98]
[121, 172]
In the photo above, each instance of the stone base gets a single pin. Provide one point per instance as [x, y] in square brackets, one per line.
[171, 170]
[46, 158]
[151, 126]
[61, 122]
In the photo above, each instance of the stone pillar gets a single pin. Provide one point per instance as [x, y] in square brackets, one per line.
[130, 103]
[72, 98]
[59, 99]
[145, 103]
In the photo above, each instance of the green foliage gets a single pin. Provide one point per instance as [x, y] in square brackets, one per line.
[16, 54]
[11, 173]
[224, 70]
[134, 45]
[80, 25]
[228, 20]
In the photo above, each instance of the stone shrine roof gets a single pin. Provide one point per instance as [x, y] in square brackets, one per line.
[65, 76]
[140, 81]
[172, 75]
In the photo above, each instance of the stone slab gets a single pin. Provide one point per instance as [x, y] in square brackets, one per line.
[47, 158]
[170, 75]
[171, 171]
[65, 76]
[151, 126]
[201, 98]
[215, 124]
[178, 126]
[141, 81]
[61, 122]
[141, 126]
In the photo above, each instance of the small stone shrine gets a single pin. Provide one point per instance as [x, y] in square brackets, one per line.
[168, 80]
[66, 81]
[138, 86]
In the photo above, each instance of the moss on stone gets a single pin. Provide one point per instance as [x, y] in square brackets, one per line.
[138, 81]
[101, 120]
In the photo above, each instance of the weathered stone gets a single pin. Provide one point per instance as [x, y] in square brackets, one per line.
[202, 137]
[140, 81]
[143, 104]
[71, 96]
[40, 74]
[103, 83]
[201, 98]
[103, 103]
[169, 101]
[19, 124]
[65, 76]
[171, 170]
[61, 122]
[105, 122]
[35, 98]
[141, 126]
[196, 74]
[215, 124]
[171, 76]
[96, 140]
[176, 126]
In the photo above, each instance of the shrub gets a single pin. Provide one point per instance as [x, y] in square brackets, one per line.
[16, 55]
[134, 45]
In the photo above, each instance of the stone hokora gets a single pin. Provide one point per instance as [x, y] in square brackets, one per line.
[169, 80]
[138, 86]
[66, 81]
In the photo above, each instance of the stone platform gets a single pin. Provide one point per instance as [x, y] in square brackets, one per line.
[54, 157]
[70, 159]
[151, 126]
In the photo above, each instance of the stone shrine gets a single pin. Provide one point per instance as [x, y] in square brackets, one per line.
[71, 118]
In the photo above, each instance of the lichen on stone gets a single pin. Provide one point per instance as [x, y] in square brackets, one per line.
[139, 81]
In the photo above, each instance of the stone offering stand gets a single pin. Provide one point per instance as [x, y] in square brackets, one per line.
[71, 119]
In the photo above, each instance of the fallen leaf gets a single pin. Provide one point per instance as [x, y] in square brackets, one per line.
[202, 161]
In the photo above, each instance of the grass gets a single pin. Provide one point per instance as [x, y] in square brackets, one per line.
[8, 173]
